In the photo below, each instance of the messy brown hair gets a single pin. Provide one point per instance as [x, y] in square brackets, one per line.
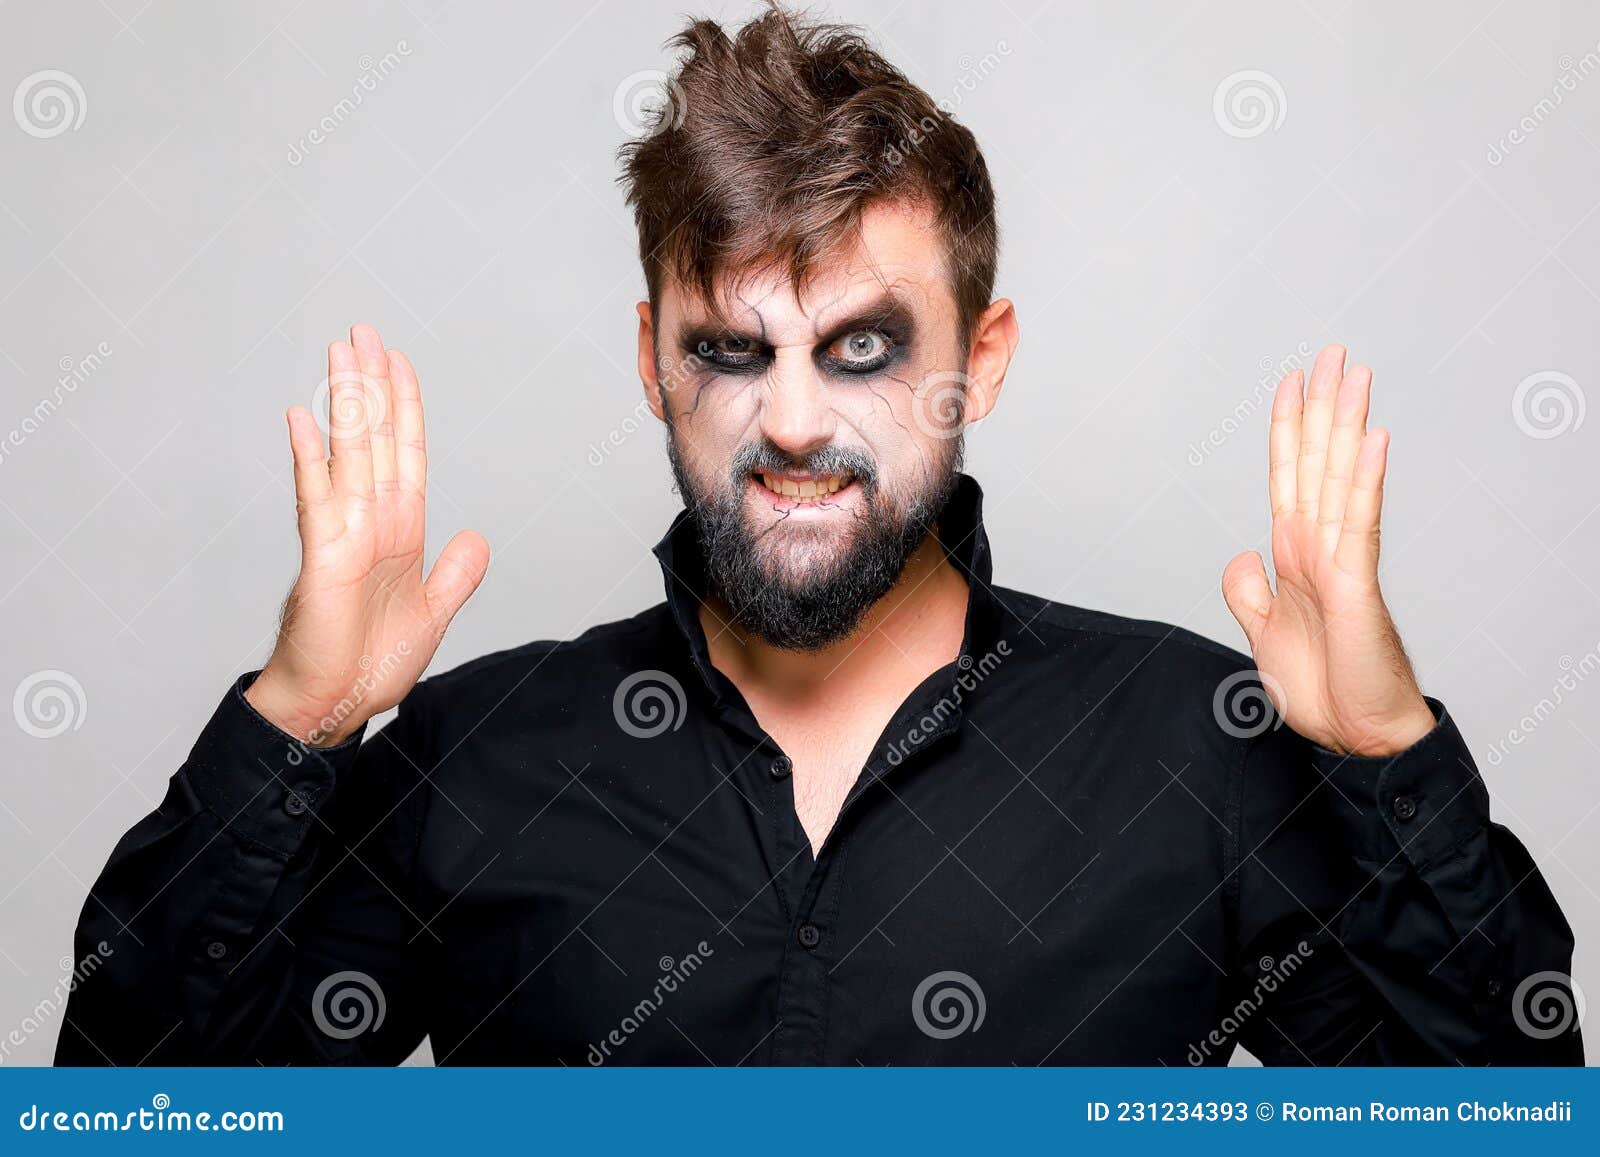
[771, 142]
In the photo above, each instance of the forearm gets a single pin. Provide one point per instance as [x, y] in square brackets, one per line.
[192, 894]
[1456, 921]
[1421, 917]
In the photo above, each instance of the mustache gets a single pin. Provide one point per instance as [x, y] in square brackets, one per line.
[754, 456]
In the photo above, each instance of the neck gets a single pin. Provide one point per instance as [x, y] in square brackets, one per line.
[918, 623]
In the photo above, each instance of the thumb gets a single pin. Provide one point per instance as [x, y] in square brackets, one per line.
[1247, 592]
[456, 573]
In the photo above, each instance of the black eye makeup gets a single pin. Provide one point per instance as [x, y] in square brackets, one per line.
[731, 353]
[857, 347]
[861, 351]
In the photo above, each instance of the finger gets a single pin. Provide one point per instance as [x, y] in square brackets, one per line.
[456, 573]
[378, 400]
[1357, 552]
[1247, 593]
[410, 440]
[349, 445]
[1349, 427]
[1283, 442]
[1325, 375]
[313, 490]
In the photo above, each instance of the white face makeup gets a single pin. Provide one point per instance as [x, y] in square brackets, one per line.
[815, 414]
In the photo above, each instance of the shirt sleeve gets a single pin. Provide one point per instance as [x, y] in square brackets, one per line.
[1384, 918]
[265, 911]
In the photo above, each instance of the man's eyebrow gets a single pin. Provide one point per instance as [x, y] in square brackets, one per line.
[889, 309]
[709, 327]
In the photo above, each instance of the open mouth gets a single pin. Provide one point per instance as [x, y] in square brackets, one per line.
[801, 489]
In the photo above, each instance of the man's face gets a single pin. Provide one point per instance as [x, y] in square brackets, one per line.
[816, 438]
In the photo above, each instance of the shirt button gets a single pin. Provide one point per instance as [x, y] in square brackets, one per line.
[1404, 807]
[216, 950]
[294, 804]
[781, 767]
[810, 936]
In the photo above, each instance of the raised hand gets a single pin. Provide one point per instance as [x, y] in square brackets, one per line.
[361, 624]
[1327, 650]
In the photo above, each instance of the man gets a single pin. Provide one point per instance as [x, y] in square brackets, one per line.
[838, 799]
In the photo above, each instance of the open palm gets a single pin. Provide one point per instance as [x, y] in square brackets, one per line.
[361, 623]
[1325, 645]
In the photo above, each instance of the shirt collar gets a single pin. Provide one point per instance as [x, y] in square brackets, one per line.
[960, 529]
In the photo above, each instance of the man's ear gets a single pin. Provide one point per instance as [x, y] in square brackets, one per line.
[994, 340]
[647, 360]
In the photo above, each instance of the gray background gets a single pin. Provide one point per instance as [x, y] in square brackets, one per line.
[1159, 263]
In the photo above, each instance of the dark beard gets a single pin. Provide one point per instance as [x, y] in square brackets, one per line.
[829, 605]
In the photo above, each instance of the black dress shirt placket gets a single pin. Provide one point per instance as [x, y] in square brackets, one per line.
[811, 946]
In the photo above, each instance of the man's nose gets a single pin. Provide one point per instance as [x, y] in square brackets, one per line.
[796, 415]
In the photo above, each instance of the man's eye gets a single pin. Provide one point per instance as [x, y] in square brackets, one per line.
[862, 349]
[731, 353]
[734, 347]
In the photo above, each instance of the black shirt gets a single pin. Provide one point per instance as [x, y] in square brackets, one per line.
[1083, 842]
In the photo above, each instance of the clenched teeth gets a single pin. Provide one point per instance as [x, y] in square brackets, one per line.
[810, 488]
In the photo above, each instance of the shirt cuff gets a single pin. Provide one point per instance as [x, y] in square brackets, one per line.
[260, 781]
[1421, 803]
